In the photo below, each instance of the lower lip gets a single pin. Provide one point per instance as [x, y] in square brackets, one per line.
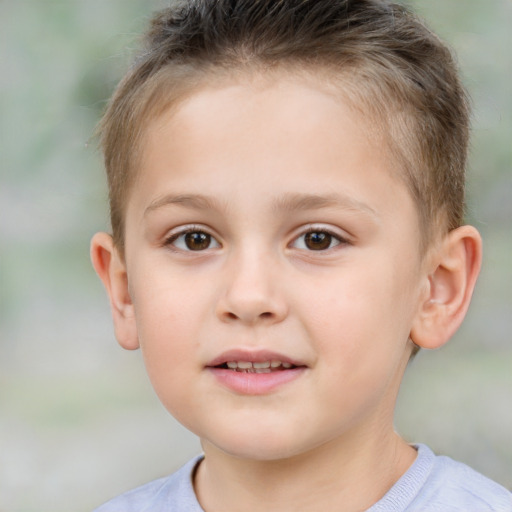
[255, 383]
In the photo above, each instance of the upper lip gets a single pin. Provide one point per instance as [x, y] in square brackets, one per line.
[253, 356]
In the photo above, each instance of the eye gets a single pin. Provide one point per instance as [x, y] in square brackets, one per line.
[317, 240]
[193, 240]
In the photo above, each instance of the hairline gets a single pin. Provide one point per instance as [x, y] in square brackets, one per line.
[167, 93]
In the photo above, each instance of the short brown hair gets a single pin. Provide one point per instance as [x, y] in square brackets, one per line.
[392, 67]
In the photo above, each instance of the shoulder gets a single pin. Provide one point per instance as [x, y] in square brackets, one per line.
[455, 486]
[440, 484]
[171, 493]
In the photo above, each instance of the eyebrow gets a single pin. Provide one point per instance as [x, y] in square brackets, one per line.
[288, 202]
[191, 201]
[293, 202]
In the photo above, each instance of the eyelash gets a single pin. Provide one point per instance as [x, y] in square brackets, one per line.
[320, 230]
[172, 239]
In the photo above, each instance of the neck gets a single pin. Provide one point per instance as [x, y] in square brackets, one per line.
[348, 474]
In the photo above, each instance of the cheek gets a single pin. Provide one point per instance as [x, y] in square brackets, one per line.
[168, 341]
[362, 317]
[167, 321]
[361, 346]
[167, 305]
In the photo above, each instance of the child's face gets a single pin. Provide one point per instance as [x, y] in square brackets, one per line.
[267, 226]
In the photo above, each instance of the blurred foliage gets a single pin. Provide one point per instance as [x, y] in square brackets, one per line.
[64, 386]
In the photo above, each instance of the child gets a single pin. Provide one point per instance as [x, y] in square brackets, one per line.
[286, 186]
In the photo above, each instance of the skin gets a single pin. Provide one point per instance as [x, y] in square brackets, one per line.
[252, 166]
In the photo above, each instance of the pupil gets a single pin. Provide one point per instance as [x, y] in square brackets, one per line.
[318, 241]
[197, 241]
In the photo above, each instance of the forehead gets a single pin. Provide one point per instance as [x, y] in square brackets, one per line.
[305, 86]
[277, 99]
[247, 142]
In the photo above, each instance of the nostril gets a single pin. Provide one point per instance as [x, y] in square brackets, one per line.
[250, 308]
[233, 316]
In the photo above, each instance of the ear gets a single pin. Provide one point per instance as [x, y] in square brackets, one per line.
[455, 265]
[111, 269]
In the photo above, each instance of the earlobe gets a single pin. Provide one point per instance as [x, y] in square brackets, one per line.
[111, 269]
[455, 267]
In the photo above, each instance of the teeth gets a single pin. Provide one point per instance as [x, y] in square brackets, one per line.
[266, 364]
[261, 367]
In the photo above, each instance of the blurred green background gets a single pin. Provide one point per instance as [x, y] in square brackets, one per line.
[78, 419]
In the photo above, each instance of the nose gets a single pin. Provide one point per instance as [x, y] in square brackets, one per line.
[253, 291]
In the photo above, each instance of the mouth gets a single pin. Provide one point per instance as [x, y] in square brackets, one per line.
[256, 367]
[254, 361]
[247, 372]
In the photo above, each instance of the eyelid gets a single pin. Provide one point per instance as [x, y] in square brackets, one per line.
[342, 239]
[179, 231]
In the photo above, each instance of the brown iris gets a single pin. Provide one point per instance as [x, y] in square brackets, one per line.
[317, 240]
[197, 241]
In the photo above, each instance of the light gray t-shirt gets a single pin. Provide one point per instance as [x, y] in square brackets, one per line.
[432, 484]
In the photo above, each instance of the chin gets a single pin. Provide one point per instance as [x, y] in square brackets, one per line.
[265, 446]
[259, 453]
